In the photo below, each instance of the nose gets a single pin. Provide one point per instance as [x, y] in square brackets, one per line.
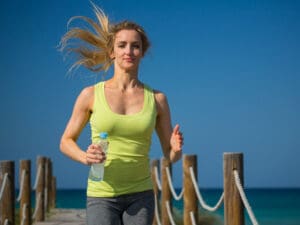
[128, 49]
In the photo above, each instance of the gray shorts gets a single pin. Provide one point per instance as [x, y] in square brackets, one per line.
[131, 209]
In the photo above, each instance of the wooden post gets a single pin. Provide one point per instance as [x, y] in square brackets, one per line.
[53, 192]
[40, 189]
[165, 191]
[155, 164]
[25, 202]
[7, 203]
[50, 194]
[48, 176]
[233, 205]
[190, 198]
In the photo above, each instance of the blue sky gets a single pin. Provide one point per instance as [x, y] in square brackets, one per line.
[230, 69]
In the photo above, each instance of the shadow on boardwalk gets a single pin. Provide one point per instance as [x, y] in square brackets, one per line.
[65, 217]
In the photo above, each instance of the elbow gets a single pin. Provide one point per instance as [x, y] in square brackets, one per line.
[62, 145]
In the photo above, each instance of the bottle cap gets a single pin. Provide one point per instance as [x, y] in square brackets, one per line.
[103, 135]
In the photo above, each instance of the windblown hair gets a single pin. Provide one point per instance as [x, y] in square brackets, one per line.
[93, 47]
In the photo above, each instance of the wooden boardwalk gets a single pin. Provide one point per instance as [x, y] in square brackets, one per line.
[65, 217]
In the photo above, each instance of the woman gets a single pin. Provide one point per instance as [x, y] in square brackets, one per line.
[128, 111]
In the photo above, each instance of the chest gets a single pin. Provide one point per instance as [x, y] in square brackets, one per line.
[131, 116]
[124, 102]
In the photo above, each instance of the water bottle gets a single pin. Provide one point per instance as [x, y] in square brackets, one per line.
[97, 169]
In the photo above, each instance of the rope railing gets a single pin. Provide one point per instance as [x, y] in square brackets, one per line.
[38, 175]
[21, 185]
[156, 211]
[233, 177]
[233, 192]
[44, 187]
[175, 196]
[244, 198]
[24, 214]
[39, 187]
[158, 183]
[199, 196]
[36, 205]
[3, 185]
[193, 220]
[170, 213]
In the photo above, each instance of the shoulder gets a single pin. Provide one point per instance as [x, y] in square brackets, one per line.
[161, 101]
[87, 92]
[86, 97]
[160, 97]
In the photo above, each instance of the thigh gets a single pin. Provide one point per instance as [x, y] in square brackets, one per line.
[140, 210]
[103, 211]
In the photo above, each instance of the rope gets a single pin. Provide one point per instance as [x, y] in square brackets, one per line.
[244, 198]
[200, 198]
[193, 220]
[170, 213]
[156, 211]
[156, 178]
[3, 185]
[175, 196]
[24, 214]
[36, 205]
[37, 178]
[21, 185]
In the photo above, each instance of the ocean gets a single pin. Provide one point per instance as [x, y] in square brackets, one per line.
[270, 206]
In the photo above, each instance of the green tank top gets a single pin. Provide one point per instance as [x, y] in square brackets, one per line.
[127, 166]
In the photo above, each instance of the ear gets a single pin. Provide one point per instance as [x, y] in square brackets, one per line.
[112, 55]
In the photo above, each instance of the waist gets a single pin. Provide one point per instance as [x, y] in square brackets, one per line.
[122, 176]
[124, 170]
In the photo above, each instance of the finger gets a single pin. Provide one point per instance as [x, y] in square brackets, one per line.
[95, 149]
[180, 140]
[87, 159]
[176, 129]
[92, 151]
[91, 157]
[93, 146]
[179, 135]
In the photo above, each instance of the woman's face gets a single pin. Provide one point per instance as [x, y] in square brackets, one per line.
[127, 51]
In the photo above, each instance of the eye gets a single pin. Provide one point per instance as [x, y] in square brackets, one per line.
[121, 46]
[137, 46]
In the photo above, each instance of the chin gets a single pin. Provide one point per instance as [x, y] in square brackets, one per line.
[130, 68]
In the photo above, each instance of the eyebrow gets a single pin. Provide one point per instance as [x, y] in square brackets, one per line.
[124, 42]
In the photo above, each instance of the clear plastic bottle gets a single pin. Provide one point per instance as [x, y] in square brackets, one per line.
[97, 169]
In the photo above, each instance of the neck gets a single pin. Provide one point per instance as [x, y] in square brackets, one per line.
[123, 83]
[124, 80]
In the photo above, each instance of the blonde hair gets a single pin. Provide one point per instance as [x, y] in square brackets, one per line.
[95, 46]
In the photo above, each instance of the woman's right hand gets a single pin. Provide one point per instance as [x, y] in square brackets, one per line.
[94, 154]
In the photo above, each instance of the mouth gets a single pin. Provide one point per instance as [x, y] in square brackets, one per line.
[129, 59]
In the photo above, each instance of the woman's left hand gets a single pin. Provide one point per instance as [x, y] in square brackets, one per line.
[176, 141]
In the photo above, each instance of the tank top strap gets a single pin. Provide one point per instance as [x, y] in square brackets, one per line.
[149, 97]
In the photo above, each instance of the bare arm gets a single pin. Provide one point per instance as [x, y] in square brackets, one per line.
[79, 118]
[171, 139]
